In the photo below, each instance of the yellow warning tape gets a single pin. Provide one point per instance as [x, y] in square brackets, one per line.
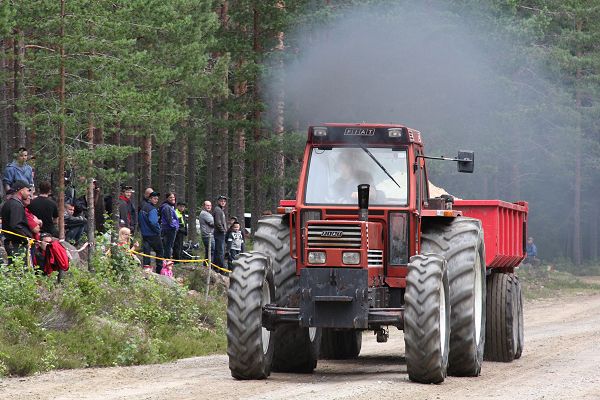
[30, 242]
[200, 261]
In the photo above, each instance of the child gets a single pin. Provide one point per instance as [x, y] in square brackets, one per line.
[235, 242]
[167, 269]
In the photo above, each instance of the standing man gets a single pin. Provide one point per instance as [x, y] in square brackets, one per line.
[181, 232]
[150, 230]
[15, 220]
[18, 170]
[207, 229]
[220, 230]
[168, 224]
[127, 215]
[45, 209]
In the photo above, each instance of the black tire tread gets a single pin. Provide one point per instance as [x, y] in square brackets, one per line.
[244, 318]
[340, 345]
[460, 242]
[501, 339]
[425, 360]
[294, 352]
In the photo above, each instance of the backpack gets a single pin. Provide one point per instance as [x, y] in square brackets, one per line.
[56, 258]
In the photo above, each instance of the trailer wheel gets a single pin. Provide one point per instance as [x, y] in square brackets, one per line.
[249, 344]
[461, 244]
[521, 329]
[296, 348]
[502, 328]
[427, 319]
[340, 345]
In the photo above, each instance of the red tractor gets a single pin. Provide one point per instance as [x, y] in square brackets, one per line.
[364, 247]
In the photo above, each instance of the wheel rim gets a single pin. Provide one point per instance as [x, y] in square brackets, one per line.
[312, 334]
[266, 334]
[478, 299]
[443, 319]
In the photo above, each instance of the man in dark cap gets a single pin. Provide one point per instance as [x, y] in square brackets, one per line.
[15, 220]
[220, 230]
[127, 215]
[150, 230]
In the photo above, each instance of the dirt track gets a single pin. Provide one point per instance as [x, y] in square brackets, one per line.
[561, 361]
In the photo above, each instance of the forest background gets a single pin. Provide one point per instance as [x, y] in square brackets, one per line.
[208, 98]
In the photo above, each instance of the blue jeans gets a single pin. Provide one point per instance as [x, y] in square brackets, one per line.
[212, 247]
[220, 249]
[150, 243]
[168, 239]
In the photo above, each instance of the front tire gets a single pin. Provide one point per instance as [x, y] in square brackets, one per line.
[427, 319]
[461, 244]
[296, 348]
[249, 344]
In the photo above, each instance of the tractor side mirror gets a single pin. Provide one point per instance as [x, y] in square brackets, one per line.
[466, 161]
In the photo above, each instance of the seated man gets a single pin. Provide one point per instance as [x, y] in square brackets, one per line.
[531, 253]
[345, 187]
[74, 226]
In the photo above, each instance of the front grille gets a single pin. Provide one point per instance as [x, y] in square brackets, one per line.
[375, 257]
[342, 236]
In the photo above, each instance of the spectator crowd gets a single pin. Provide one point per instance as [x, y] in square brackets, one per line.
[30, 212]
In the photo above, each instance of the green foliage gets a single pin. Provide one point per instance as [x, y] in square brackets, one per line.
[116, 316]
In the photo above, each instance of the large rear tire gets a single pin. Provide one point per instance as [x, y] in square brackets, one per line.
[427, 319]
[249, 345]
[502, 328]
[461, 244]
[340, 345]
[296, 348]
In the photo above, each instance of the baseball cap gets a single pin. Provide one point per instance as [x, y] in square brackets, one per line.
[222, 197]
[126, 187]
[18, 185]
[154, 194]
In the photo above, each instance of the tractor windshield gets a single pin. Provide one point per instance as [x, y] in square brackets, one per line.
[334, 174]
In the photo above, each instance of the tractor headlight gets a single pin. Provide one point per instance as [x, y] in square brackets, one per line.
[351, 257]
[316, 257]
[320, 131]
[395, 132]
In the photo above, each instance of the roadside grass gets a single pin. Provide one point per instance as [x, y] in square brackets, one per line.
[115, 316]
[560, 279]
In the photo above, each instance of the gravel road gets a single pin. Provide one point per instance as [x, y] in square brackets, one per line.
[561, 360]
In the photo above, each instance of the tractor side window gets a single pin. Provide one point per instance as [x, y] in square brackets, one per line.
[334, 174]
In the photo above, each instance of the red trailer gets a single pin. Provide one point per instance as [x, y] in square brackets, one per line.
[364, 247]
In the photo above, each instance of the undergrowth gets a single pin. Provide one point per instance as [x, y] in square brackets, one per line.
[114, 316]
[545, 281]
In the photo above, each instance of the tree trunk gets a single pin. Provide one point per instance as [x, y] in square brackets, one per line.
[280, 113]
[162, 158]
[183, 168]
[19, 65]
[192, 187]
[91, 201]
[4, 111]
[238, 161]
[62, 128]
[147, 162]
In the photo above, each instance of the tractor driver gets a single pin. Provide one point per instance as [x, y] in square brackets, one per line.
[345, 187]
